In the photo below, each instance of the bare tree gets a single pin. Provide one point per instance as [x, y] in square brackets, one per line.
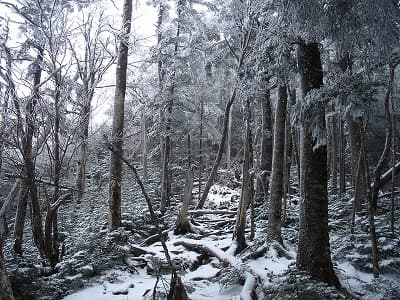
[91, 65]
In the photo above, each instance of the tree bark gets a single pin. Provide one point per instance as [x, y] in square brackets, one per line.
[358, 181]
[246, 195]
[201, 147]
[114, 215]
[183, 225]
[29, 164]
[266, 149]
[20, 220]
[144, 144]
[5, 286]
[342, 158]
[275, 204]
[313, 250]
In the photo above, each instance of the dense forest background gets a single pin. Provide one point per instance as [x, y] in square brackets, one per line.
[196, 149]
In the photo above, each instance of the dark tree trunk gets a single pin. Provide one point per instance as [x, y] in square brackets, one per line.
[358, 181]
[275, 204]
[5, 286]
[313, 250]
[342, 158]
[20, 220]
[182, 225]
[114, 216]
[266, 150]
[51, 223]
[201, 148]
[82, 164]
[29, 164]
[332, 135]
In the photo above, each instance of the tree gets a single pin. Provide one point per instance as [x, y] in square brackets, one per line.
[275, 203]
[92, 64]
[114, 202]
[313, 250]
[5, 286]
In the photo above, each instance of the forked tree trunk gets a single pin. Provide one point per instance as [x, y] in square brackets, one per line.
[114, 201]
[275, 204]
[246, 195]
[266, 150]
[313, 249]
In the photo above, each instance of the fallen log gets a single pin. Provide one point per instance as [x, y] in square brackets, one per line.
[138, 251]
[212, 212]
[224, 258]
[154, 238]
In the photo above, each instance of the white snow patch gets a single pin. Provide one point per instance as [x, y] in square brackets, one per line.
[221, 194]
[135, 285]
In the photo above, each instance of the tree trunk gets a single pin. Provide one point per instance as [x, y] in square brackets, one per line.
[342, 158]
[313, 250]
[246, 195]
[275, 204]
[229, 141]
[51, 223]
[20, 220]
[332, 135]
[144, 145]
[165, 169]
[358, 181]
[182, 225]
[392, 208]
[371, 213]
[266, 150]
[82, 164]
[114, 216]
[201, 147]
[5, 286]
[29, 162]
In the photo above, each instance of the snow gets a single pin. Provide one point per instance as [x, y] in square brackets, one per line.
[114, 282]
[248, 287]
[221, 194]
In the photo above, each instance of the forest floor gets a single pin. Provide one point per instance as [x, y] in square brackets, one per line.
[98, 265]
